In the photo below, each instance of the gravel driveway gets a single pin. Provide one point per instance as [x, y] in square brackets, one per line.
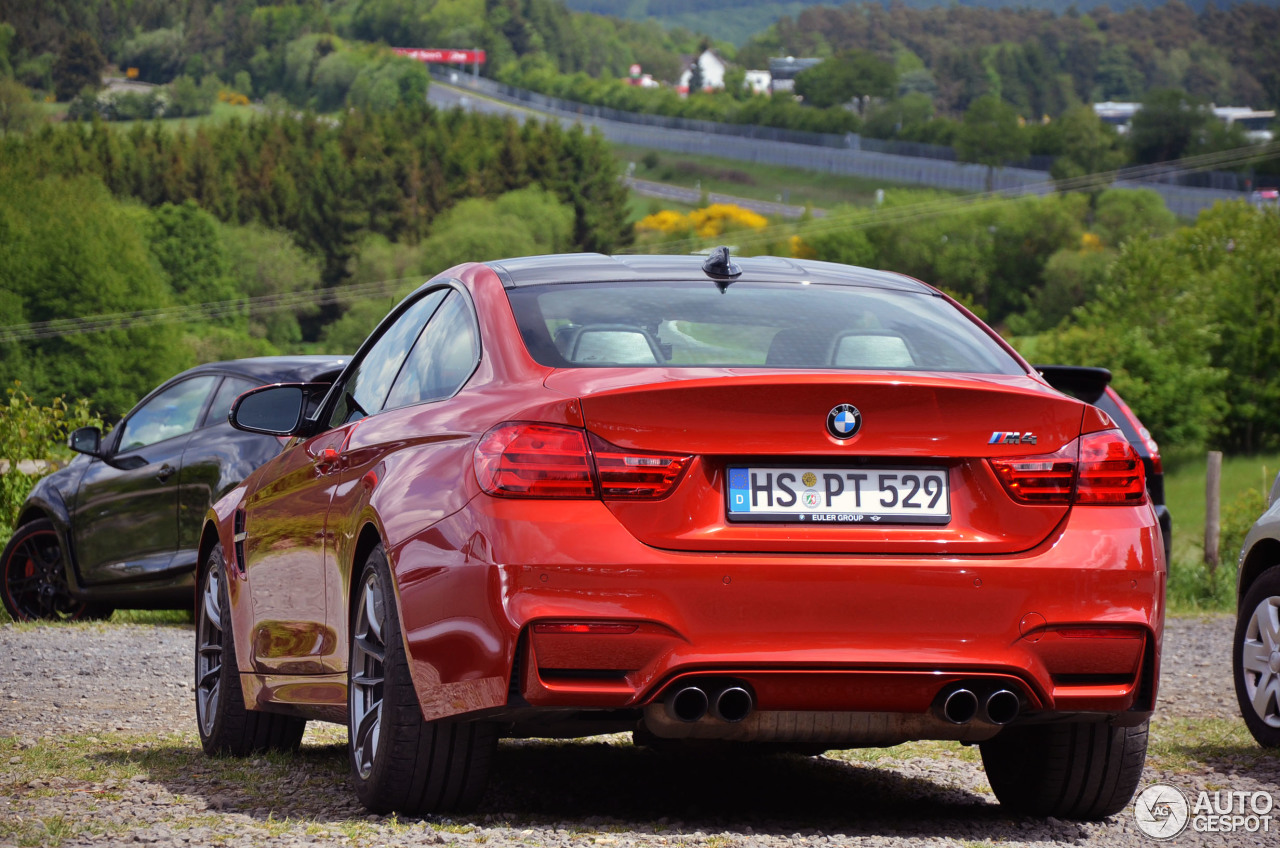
[98, 747]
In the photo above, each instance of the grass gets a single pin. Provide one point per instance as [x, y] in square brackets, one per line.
[307, 796]
[756, 181]
[1191, 587]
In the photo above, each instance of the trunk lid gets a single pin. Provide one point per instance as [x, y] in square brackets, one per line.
[915, 427]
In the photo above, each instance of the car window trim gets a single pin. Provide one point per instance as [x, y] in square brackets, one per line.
[475, 364]
[163, 387]
[339, 386]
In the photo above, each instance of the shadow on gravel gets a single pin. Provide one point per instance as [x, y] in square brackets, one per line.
[594, 786]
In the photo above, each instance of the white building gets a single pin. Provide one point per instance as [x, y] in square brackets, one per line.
[713, 68]
[758, 81]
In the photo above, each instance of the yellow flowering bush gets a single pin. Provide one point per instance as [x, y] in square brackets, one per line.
[666, 222]
[710, 222]
[719, 217]
[800, 249]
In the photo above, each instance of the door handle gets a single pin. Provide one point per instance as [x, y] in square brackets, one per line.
[165, 472]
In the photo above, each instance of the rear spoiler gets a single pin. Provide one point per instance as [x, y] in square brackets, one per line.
[1079, 381]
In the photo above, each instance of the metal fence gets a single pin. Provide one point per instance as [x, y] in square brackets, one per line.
[854, 155]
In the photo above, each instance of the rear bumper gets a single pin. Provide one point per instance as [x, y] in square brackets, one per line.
[1072, 626]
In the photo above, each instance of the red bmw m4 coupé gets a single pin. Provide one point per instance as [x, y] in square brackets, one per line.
[767, 504]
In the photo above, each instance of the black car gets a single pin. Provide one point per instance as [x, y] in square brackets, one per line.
[1093, 385]
[119, 526]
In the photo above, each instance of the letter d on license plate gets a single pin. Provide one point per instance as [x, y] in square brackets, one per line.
[839, 495]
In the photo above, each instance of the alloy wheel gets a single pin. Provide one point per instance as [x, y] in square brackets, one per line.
[368, 654]
[209, 652]
[1260, 660]
[35, 584]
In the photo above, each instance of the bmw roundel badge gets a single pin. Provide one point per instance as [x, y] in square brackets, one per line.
[844, 421]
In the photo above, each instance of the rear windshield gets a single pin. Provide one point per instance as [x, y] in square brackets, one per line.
[770, 325]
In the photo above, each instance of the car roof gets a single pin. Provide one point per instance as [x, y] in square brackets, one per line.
[597, 267]
[275, 369]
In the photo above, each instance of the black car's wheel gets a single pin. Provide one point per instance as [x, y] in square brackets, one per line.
[399, 761]
[1074, 771]
[226, 727]
[35, 578]
[1256, 658]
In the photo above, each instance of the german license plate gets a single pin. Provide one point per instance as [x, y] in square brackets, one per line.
[839, 495]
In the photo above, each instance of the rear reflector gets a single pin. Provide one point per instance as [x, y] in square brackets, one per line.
[1098, 468]
[527, 460]
[583, 627]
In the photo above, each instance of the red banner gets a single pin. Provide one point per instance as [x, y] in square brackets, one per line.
[442, 56]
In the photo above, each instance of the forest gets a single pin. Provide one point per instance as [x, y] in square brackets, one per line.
[736, 21]
[292, 224]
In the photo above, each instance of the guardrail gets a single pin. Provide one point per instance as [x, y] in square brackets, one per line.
[836, 154]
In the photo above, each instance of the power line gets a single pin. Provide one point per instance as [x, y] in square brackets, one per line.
[193, 312]
[859, 219]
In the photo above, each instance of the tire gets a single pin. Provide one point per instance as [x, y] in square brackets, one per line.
[1078, 770]
[225, 725]
[1255, 658]
[35, 578]
[399, 761]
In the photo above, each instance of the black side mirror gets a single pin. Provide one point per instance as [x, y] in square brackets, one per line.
[274, 410]
[86, 440]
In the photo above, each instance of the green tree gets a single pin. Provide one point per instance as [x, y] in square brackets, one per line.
[79, 66]
[1090, 150]
[1167, 126]
[1122, 214]
[72, 251]
[1148, 324]
[853, 73]
[991, 135]
[17, 112]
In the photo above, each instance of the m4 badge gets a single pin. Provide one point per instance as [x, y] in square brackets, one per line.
[1002, 437]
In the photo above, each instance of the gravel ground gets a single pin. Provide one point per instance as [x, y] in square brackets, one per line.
[97, 747]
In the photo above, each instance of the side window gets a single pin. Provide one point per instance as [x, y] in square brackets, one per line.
[366, 388]
[171, 413]
[231, 388]
[443, 358]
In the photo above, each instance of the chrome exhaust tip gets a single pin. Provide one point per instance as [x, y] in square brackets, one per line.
[688, 704]
[733, 704]
[1002, 707]
[960, 706]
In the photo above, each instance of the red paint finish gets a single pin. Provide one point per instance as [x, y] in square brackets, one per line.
[592, 603]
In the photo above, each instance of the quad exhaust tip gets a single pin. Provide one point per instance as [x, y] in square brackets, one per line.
[960, 707]
[688, 704]
[731, 703]
[1002, 707]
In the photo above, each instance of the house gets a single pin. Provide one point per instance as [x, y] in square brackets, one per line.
[758, 81]
[712, 68]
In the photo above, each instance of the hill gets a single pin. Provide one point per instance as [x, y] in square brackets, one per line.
[736, 21]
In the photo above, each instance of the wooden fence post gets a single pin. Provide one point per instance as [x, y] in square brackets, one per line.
[1212, 509]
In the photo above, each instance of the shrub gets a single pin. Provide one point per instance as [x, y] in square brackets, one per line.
[29, 431]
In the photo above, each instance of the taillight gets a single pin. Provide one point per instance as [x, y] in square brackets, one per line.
[1044, 479]
[526, 460]
[632, 475]
[1099, 468]
[1111, 471]
[521, 460]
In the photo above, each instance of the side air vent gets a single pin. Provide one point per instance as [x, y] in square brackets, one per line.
[239, 539]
